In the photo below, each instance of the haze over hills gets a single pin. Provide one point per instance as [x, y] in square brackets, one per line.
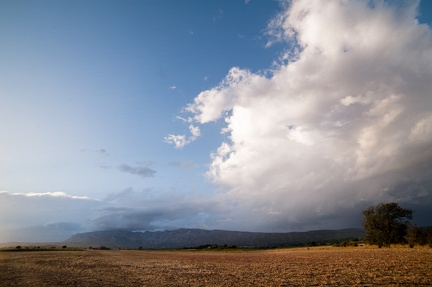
[181, 238]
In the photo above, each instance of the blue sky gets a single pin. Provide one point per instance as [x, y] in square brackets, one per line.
[83, 77]
[245, 115]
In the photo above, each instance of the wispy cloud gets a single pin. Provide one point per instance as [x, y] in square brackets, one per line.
[219, 15]
[45, 194]
[142, 171]
[100, 151]
[186, 164]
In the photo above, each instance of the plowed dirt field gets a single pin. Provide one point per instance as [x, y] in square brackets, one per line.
[283, 267]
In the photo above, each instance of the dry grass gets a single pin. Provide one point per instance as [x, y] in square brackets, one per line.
[283, 267]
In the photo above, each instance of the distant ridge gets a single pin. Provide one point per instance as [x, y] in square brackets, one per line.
[181, 238]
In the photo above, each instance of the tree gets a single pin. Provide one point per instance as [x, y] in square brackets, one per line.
[386, 223]
[413, 235]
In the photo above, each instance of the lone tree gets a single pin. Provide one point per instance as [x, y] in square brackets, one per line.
[386, 223]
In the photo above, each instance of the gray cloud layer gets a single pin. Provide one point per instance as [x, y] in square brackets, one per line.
[146, 210]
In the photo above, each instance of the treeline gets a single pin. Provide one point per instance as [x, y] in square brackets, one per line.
[38, 248]
[212, 246]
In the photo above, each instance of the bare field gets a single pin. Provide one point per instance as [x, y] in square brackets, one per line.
[282, 267]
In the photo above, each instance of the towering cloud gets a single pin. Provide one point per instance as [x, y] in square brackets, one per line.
[344, 121]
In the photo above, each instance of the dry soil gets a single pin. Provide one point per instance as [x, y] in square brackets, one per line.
[283, 267]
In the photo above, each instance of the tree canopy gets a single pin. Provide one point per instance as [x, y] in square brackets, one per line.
[386, 223]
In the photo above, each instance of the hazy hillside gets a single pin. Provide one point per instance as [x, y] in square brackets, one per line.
[195, 237]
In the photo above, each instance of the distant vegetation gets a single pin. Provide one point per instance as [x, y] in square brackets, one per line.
[38, 248]
[100, 248]
[212, 246]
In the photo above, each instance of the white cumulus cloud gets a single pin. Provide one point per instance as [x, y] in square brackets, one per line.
[333, 129]
[180, 141]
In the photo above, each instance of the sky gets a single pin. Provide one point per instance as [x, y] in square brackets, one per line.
[252, 115]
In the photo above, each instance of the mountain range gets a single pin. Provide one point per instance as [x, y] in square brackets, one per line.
[193, 238]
